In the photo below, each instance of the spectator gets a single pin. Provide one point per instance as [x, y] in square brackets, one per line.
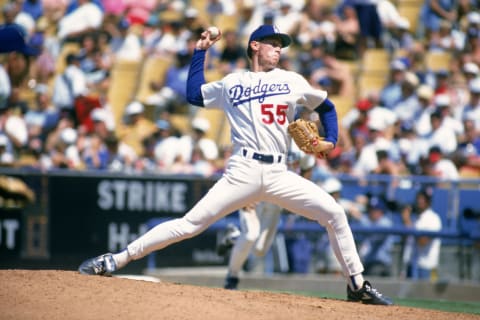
[200, 164]
[17, 102]
[422, 116]
[316, 25]
[117, 160]
[170, 42]
[371, 28]
[433, 12]
[385, 164]
[95, 155]
[83, 19]
[412, 148]
[65, 154]
[470, 71]
[356, 120]
[12, 13]
[381, 114]
[312, 59]
[368, 160]
[44, 66]
[170, 95]
[233, 56]
[136, 128]
[468, 152]
[336, 77]
[348, 31]
[407, 105]
[43, 116]
[54, 10]
[422, 254]
[69, 85]
[166, 146]
[391, 93]
[441, 81]
[444, 106]
[34, 8]
[87, 52]
[126, 43]
[5, 87]
[192, 20]
[287, 17]
[6, 157]
[472, 109]
[116, 155]
[401, 37]
[444, 39]
[444, 137]
[439, 166]
[472, 34]
[197, 139]
[103, 123]
[13, 126]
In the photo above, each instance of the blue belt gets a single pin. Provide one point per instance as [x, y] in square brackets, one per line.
[267, 158]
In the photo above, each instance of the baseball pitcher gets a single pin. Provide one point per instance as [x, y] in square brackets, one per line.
[259, 104]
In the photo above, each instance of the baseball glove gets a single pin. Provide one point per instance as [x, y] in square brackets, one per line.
[305, 134]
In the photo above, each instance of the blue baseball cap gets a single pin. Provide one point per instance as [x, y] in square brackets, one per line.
[268, 31]
[377, 203]
[13, 38]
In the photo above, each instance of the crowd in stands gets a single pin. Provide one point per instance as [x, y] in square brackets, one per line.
[59, 109]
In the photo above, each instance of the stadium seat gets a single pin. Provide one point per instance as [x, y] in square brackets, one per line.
[410, 10]
[201, 6]
[375, 61]
[216, 118]
[153, 70]
[226, 22]
[437, 60]
[181, 122]
[368, 82]
[124, 79]
[343, 104]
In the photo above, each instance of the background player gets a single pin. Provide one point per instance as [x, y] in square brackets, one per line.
[259, 104]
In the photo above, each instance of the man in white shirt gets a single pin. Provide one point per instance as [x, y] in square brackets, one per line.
[86, 17]
[368, 161]
[72, 83]
[422, 254]
[441, 167]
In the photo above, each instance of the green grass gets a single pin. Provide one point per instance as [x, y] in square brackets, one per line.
[442, 305]
[452, 306]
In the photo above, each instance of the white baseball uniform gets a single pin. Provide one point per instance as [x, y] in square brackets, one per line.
[258, 225]
[259, 107]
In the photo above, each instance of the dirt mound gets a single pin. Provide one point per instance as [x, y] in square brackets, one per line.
[54, 294]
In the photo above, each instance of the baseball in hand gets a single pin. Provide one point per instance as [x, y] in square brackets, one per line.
[214, 32]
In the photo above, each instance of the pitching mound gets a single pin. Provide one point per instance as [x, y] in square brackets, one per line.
[52, 294]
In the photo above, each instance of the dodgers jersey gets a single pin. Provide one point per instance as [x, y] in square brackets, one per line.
[260, 105]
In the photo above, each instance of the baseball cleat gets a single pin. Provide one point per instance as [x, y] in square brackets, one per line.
[368, 295]
[231, 283]
[228, 240]
[102, 265]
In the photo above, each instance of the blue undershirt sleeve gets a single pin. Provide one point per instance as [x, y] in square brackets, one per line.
[196, 78]
[328, 118]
